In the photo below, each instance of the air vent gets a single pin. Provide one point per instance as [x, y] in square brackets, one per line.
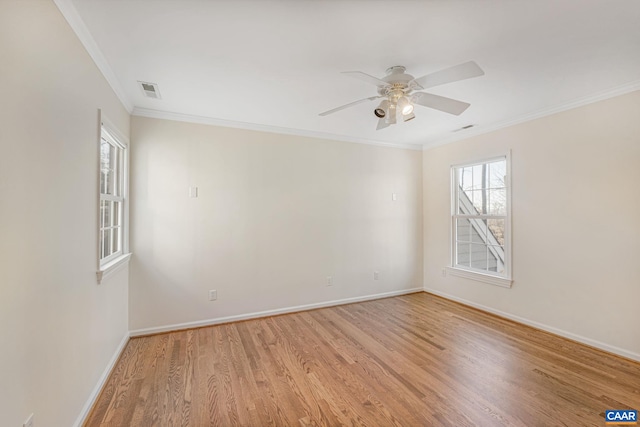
[150, 90]
[464, 128]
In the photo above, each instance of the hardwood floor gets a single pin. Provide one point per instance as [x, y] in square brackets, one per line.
[413, 360]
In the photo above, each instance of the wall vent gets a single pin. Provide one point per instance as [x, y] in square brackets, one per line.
[150, 90]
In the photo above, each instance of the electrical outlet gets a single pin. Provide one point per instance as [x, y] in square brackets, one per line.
[444, 272]
[376, 275]
[394, 197]
[28, 422]
[329, 280]
[213, 295]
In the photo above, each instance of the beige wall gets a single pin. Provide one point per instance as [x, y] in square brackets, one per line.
[576, 228]
[58, 327]
[275, 215]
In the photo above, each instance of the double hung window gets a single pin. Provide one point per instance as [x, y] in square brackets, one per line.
[112, 167]
[113, 210]
[480, 218]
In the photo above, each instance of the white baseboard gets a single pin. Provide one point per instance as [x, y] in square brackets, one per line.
[584, 340]
[258, 314]
[101, 382]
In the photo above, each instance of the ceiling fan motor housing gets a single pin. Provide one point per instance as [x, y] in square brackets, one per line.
[398, 83]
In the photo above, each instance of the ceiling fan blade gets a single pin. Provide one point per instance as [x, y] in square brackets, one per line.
[351, 104]
[441, 103]
[453, 74]
[382, 123]
[366, 78]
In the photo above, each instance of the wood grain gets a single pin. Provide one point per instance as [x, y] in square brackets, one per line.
[413, 360]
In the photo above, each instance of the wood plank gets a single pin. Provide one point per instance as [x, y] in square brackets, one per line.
[415, 359]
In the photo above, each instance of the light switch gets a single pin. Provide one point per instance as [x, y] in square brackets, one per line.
[193, 192]
[394, 197]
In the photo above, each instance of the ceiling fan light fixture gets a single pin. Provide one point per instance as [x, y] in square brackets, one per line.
[381, 110]
[405, 106]
[391, 114]
[407, 117]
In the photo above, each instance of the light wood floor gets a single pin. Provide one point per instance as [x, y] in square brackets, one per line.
[413, 360]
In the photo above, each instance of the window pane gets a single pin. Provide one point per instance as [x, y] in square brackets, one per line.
[116, 213]
[463, 230]
[496, 227]
[497, 202]
[474, 202]
[465, 178]
[105, 151]
[477, 177]
[106, 243]
[467, 201]
[478, 256]
[497, 171]
[108, 168]
[103, 208]
[478, 230]
[107, 213]
[116, 171]
[462, 254]
[115, 240]
[112, 169]
[492, 259]
[497, 254]
[101, 248]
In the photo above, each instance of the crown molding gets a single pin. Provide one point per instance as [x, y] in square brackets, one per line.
[72, 16]
[166, 115]
[579, 102]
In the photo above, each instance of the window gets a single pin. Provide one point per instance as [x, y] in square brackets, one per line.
[480, 220]
[111, 197]
[112, 237]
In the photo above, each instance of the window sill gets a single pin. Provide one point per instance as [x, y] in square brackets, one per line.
[485, 278]
[112, 266]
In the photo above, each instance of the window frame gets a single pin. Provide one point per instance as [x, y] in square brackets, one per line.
[113, 262]
[500, 279]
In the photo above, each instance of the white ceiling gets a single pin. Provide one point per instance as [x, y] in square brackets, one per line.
[275, 64]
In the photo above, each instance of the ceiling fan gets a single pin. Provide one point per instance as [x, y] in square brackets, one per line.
[399, 91]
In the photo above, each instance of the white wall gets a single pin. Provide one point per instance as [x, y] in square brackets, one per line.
[576, 221]
[275, 215]
[58, 327]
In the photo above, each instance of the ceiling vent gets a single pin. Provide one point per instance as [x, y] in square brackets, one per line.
[464, 128]
[150, 90]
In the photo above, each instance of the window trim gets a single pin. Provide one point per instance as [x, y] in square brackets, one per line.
[504, 280]
[114, 262]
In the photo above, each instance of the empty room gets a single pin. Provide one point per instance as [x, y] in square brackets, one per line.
[319, 213]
